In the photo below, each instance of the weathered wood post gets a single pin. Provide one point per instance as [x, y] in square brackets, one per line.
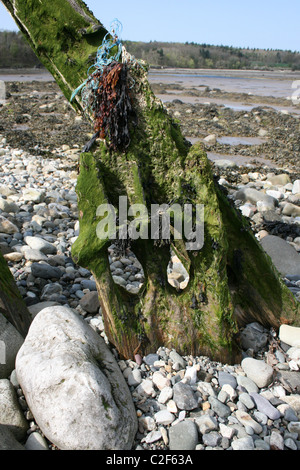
[232, 281]
[12, 305]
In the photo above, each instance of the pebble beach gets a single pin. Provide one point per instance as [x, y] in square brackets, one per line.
[179, 402]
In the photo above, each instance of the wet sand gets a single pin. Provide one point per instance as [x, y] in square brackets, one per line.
[262, 83]
[203, 101]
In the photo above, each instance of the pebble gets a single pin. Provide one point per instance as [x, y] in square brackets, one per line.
[184, 397]
[244, 443]
[264, 406]
[257, 370]
[183, 436]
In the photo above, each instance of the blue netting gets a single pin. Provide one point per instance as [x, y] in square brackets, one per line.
[109, 51]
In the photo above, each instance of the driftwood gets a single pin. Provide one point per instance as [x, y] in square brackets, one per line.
[231, 280]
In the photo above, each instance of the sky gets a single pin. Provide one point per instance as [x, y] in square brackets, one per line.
[265, 24]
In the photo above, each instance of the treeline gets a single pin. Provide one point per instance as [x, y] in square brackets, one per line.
[192, 55]
[15, 52]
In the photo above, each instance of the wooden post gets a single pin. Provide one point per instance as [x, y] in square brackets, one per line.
[232, 281]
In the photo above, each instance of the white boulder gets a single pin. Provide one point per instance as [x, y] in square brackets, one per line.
[73, 385]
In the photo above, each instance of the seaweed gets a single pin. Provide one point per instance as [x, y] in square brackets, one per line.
[111, 105]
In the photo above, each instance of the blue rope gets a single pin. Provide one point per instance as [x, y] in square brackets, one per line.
[104, 57]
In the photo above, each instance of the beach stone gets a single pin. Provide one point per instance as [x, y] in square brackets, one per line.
[291, 210]
[11, 414]
[183, 436]
[119, 280]
[88, 284]
[164, 417]
[212, 439]
[10, 343]
[33, 255]
[287, 412]
[210, 139]
[289, 335]
[218, 407]
[290, 380]
[254, 196]
[275, 193]
[229, 391]
[8, 206]
[147, 422]
[36, 441]
[290, 444]
[6, 226]
[244, 443]
[36, 308]
[191, 374]
[294, 402]
[153, 436]
[246, 400]
[90, 302]
[246, 420]
[265, 206]
[294, 427]
[279, 180]
[248, 210]
[283, 255]
[45, 271]
[175, 357]
[253, 337]
[276, 441]
[51, 289]
[73, 385]
[224, 163]
[150, 359]
[258, 371]
[206, 423]
[226, 431]
[296, 187]
[146, 388]
[8, 440]
[134, 378]
[33, 195]
[247, 383]
[264, 406]
[184, 397]
[7, 191]
[160, 381]
[38, 243]
[226, 378]
[13, 256]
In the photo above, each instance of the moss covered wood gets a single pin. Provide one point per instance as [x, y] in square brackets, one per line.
[12, 305]
[232, 281]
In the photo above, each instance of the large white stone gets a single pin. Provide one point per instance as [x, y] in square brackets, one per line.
[73, 385]
[290, 335]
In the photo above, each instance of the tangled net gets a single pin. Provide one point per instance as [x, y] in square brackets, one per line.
[106, 92]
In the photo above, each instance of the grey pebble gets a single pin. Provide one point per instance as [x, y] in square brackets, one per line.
[183, 436]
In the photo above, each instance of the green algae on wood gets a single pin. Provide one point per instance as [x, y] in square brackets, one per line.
[12, 305]
[231, 280]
